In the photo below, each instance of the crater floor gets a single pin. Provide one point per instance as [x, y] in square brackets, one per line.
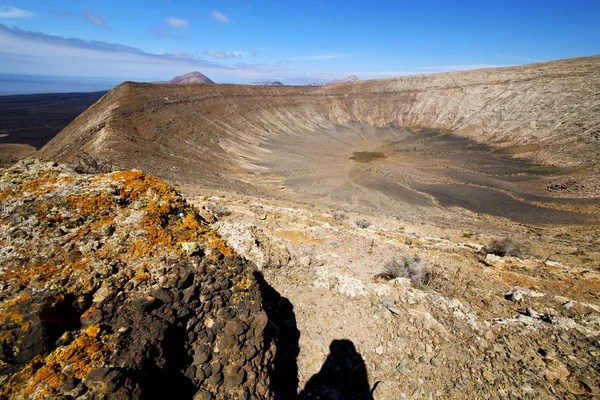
[421, 174]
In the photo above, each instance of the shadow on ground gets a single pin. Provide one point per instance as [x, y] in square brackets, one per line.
[343, 375]
[282, 320]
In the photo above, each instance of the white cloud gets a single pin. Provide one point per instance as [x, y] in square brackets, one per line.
[177, 23]
[14, 12]
[35, 53]
[221, 54]
[219, 16]
[327, 56]
[95, 18]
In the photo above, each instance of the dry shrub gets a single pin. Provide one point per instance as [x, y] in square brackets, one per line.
[505, 247]
[340, 217]
[410, 266]
[363, 223]
[217, 210]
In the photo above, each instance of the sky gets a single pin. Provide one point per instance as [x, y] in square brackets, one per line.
[295, 42]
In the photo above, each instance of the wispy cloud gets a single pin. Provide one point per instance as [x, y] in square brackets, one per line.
[95, 18]
[223, 54]
[14, 12]
[219, 16]
[177, 23]
[326, 56]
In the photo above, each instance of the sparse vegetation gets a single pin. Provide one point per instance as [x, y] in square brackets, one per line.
[363, 223]
[467, 235]
[340, 217]
[92, 164]
[410, 266]
[506, 247]
[217, 210]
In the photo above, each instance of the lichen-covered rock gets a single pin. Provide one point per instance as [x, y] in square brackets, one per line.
[112, 286]
[253, 244]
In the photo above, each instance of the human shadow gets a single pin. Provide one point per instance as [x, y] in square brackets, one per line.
[342, 377]
[283, 373]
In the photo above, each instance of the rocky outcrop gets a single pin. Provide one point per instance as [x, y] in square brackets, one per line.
[112, 286]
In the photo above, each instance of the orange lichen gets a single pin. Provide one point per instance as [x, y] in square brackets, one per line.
[6, 193]
[245, 283]
[135, 184]
[141, 275]
[190, 222]
[89, 312]
[90, 204]
[218, 244]
[93, 330]
[39, 185]
[140, 248]
[85, 353]
[17, 301]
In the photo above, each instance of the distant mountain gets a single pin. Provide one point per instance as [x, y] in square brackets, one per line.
[192, 77]
[351, 78]
[269, 83]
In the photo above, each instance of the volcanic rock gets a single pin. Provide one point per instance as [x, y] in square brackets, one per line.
[132, 316]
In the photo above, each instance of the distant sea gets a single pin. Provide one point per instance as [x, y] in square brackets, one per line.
[37, 84]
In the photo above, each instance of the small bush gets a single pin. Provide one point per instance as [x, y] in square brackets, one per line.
[467, 235]
[410, 266]
[505, 247]
[363, 223]
[340, 217]
[92, 164]
[219, 211]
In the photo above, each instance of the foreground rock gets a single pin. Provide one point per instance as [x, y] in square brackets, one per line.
[112, 286]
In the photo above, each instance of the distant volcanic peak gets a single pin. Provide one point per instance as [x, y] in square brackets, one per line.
[269, 83]
[192, 77]
[351, 78]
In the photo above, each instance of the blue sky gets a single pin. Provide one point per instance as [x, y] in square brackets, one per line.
[302, 41]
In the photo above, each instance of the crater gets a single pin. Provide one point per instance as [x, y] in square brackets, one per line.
[401, 147]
